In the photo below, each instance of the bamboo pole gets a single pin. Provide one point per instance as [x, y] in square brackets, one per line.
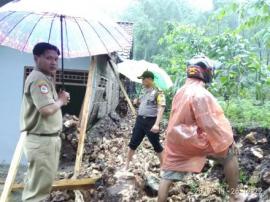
[85, 116]
[13, 168]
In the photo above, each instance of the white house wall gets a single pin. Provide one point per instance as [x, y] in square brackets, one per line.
[12, 64]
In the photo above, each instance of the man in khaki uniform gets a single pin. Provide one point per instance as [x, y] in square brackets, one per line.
[41, 118]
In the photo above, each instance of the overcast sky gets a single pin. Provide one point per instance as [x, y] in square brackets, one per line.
[114, 7]
[117, 6]
[203, 5]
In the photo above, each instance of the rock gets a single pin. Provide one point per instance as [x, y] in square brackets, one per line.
[114, 116]
[74, 141]
[252, 197]
[257, 152]
[151, 186]
[185, 188]
[70, 123]
[124, 188]
[251, 138]
[101, 156]
[266, 177]
[179, 198]
[75, 118]
[114, 149]
[58, 196]
[255, 177]
[256, 138]
[211, 163]
[265, 196]
[212, 198]
[65, 175]
[95, 173]
[101, 195]
[69, 137]
[174, 191]
[124, 175]
[146, 144]
[263, 140]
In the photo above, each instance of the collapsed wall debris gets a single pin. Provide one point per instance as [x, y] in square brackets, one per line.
[105, 154]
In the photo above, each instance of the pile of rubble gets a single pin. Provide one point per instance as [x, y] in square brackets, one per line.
[69, 138]
[105, 155]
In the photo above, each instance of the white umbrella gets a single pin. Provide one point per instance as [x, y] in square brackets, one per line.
[132, 69]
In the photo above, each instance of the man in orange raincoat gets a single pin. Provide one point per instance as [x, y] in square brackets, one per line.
[196, 130]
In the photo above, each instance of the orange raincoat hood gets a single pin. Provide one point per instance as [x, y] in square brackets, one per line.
[197, 128]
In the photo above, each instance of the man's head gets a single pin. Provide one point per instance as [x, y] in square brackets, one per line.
[200, 67]
[46, 57]
[147, 79]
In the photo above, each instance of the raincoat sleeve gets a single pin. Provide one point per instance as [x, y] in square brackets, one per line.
[211, 120]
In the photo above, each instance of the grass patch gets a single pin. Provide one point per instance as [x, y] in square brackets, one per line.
[244, 113]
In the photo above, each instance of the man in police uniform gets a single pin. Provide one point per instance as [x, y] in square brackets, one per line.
[41, 118]
[151, 108]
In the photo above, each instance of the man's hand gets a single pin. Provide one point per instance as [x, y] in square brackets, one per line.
[136, 102]
[155, 128]
[64, 97]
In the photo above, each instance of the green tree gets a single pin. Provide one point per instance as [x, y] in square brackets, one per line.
[150, 18]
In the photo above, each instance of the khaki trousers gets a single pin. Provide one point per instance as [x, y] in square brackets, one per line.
[42, 153]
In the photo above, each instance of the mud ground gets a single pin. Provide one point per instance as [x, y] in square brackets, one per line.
[105, 155]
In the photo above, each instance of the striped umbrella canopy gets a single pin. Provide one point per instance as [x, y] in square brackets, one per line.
[132, 69]
[76, 26]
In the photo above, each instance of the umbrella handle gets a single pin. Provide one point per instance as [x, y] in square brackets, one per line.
[62, 53]
[140, 90]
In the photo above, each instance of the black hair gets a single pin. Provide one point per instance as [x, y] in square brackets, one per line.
[41, 47]
[202, 65]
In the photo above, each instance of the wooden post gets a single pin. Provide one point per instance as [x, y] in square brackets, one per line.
[13, 168]
[67, 184]
[122, 88]
[85, 115]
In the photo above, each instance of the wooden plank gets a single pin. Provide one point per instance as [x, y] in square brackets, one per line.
[85, 115]
[122, 88]
[13, 168]
[80, 115]
[67, 184]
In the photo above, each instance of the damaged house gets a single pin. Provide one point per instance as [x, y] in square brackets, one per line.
[105, 88]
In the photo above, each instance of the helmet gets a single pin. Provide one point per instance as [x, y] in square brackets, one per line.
[200, 67]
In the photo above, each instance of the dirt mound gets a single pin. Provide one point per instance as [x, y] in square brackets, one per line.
[105, 155]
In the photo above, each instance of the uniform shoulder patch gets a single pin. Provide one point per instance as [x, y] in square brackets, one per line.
[161, 100]
[44, 89]
[42, 85]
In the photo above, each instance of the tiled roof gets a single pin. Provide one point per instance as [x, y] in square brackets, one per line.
[127, 52]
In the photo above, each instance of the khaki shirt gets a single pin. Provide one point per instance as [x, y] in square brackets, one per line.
[39, 91]
[149, 102]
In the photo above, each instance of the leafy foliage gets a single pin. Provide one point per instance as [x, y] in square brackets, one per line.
[150, 18]
[235, 33]
[244, 112]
